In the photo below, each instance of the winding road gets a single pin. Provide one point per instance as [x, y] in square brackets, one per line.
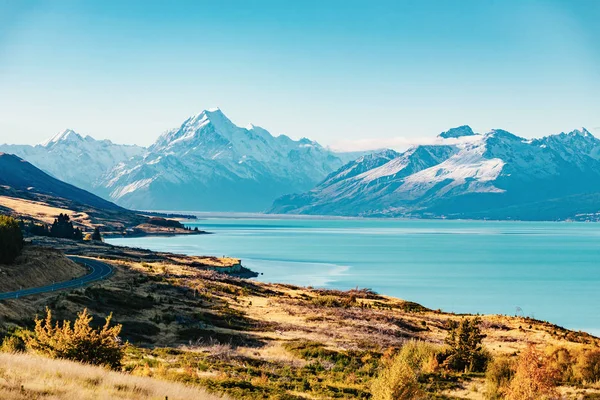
[98, 271]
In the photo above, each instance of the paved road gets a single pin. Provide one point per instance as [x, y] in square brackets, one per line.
[97, 271]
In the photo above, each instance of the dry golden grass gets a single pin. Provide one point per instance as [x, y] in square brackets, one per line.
[28, 377]
[41, 211]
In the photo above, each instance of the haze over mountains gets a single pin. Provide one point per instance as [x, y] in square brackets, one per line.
[210, 164]
[496, 175]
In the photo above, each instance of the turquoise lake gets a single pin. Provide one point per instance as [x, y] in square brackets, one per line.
[547, 270]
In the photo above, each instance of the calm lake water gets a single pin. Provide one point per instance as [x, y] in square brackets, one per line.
[550, 271]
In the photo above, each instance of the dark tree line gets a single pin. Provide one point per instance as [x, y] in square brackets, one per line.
[63, 228]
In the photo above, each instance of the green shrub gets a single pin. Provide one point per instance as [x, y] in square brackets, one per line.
[420, 356]
[563, 361]
[11, 240]
[334, 301]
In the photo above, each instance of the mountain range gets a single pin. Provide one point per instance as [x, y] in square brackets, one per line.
[496, 175]
[206, 163]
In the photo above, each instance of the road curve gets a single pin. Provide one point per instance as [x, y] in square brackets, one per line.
[98, 271]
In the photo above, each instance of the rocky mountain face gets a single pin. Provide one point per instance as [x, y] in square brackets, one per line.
[209, 163]
[496, 175]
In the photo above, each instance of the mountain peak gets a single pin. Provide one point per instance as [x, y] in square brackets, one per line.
[501, 134]
[580, 132]
[464, 130]
[212, 115]
[68, 135]
[211, 112]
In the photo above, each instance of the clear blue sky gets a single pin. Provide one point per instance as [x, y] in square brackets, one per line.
[334, 71]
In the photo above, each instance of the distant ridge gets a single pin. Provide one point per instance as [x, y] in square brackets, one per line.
[496, 175]
[21, 175]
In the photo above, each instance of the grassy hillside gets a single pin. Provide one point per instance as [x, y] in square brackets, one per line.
[27, 377]
[38, 266]
[28, 192]
[18, 174]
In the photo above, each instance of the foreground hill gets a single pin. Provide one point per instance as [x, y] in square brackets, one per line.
[466, 175]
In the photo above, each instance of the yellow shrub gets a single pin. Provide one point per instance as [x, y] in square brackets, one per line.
[497, 377]
[534, 378]
[587, 368]
[12, 344]
[399, 378]
[79, 342]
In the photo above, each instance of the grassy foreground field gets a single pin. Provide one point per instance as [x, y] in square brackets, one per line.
[246, 339]
[29, 377]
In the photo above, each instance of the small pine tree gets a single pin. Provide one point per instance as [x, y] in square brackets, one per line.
[465, 352]
[97, 236]
[77, 234]
[11, 239]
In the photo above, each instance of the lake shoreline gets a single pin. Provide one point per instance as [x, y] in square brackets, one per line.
[338, 254]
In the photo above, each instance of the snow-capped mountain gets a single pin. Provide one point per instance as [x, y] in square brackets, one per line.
[465, 175]
[70, 157]
[209, 163]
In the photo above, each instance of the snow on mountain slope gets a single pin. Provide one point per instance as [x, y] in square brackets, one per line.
[80, 161]
[210, 163]
[463, 175]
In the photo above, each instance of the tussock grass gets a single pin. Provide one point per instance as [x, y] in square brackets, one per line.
[27, 377]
